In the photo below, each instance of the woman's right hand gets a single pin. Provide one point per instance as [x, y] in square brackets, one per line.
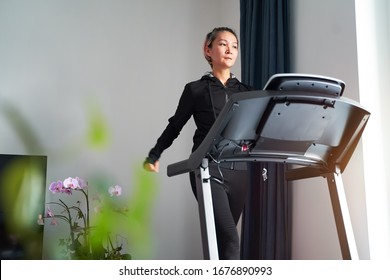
[152, 167]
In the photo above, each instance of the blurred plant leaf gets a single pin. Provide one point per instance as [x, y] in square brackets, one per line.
[22, 128]
[135, 220]
[98, 130]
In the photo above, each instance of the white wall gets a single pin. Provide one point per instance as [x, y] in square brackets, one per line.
[324, 43]
[131, 60]
[373, 34]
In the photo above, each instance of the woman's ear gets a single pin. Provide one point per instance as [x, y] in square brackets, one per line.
[207, 52]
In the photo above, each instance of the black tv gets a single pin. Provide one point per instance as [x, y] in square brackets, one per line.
[22, 199]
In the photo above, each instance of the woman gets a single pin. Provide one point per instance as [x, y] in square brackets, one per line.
[203, 100]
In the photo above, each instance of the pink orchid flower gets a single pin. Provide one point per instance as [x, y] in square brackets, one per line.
[115, 190]
[56, 187]
[71, 183]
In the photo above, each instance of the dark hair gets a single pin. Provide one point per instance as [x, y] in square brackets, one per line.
[210, 37]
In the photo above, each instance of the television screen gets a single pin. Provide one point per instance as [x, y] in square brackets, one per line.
[22, 199]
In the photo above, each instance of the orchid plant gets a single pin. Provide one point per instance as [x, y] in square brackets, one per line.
[84, 241]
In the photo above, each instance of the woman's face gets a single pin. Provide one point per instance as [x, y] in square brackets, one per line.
[223, 51]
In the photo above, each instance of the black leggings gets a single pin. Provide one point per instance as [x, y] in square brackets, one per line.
[228, 203]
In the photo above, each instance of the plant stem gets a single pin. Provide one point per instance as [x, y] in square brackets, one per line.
[69, 220]
[86, 236]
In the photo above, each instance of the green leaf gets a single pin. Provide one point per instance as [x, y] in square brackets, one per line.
[98, 129]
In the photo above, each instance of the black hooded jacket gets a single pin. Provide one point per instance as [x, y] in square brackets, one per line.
[203, 99]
